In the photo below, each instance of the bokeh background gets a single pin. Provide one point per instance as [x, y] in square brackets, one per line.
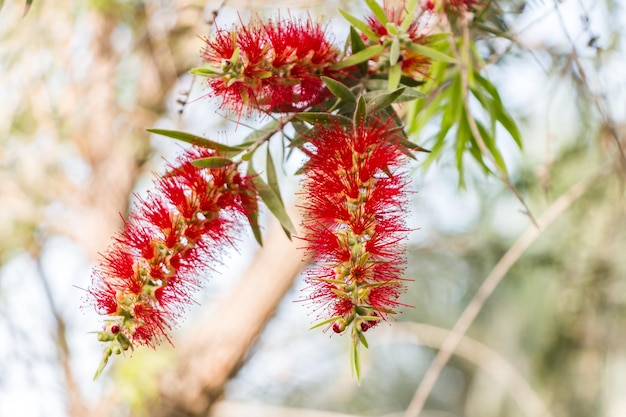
[81, 81]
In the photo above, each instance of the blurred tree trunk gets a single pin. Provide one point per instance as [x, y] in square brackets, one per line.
[212, 352]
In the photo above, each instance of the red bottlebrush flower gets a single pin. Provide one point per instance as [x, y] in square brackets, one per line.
[451, 6]
[412, 63]
[147, 276]
[459, 6]
[354, 223]
[272, 66]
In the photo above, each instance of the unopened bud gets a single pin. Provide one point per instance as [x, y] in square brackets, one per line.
[339, 326]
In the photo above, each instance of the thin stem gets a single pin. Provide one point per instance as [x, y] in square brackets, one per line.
[486, 359]
[489, 285]
[608, 121]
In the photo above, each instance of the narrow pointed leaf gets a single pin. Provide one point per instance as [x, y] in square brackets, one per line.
[394, 52]
[339, 90]
[359, 57]
[500, 113]
[322, 323]
[491, 146]
[103, 363]
[272, 201]
[363, 339]
[321, 117]
[356, 363]
[272, 179]
[360, 25]
[413, 147]
[436, 38]
[203, 72]
[409, 94]
[212, 162]
[408, 19]
[197, 141]
[378, 11]
[432, 53]
[381, 99]
[357, 46]
[264, 133]
[395, 73]
[361, 110]
[251, 206]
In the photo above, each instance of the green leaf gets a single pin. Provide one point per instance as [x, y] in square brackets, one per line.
[272, 201]
[490, 143]
[264, 133]
[360, 114]
[413, 146]
[322, 323]
[375, 83]
[339, 89]
[378, 100]
[409, 94]
[272, 179]
[322, 117]
[432, 53]
[378, 11]
[436, 38]
[251, 207]
[362, 339]
[357, 46]
[354, 358]
[509, 124]
[359, 57]
[499, 113]
[203, 72]
[197, 141]
[103, 363]
[301, 136]
[212, 162]
[395, 73]
[408, 19]
[394, 51]
[360, 25]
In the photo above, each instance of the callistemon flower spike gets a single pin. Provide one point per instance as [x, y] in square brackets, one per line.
[355, 201]
[271, 66]
[147, 277]
[402, 31]
[455, 7]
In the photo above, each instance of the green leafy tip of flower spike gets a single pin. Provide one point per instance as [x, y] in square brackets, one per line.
[117, 343]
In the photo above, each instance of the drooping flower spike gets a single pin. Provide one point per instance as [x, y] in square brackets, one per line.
[355, 199]
[147, 277]
[271, 66]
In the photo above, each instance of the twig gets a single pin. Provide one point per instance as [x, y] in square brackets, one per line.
[490, 283]
[482, 356]
[608, 121]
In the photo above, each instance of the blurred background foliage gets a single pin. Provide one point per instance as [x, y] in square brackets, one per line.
[81, 81]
